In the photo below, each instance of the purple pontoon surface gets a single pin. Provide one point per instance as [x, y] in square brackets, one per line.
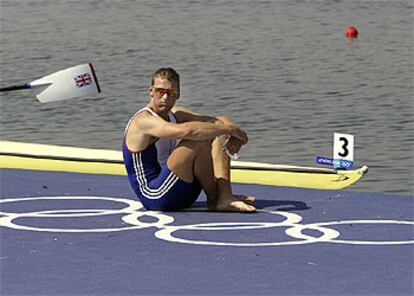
[81, 234]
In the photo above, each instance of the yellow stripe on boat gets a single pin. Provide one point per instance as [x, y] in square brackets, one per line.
[87, 167]
[18, 155]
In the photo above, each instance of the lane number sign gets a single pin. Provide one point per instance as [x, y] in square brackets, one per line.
[343, 152]
[343, 147]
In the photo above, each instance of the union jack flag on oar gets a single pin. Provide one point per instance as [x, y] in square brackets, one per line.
[62, 85]
[83, 80]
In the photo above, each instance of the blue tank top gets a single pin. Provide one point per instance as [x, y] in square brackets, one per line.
[143, 166]
[155, 185]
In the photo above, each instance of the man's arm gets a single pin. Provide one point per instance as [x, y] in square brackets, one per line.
[186, 115]
[193, 130]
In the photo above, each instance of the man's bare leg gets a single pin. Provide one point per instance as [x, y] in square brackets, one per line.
[193, 158]
[204, 171]
[196, 158]
[227, 201]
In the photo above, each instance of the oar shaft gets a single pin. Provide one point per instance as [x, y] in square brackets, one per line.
[15, 87]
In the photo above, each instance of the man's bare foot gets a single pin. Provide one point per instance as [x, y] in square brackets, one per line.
[249, 199]
[233, 204]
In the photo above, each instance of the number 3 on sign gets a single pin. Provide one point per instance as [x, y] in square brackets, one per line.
[343, 146]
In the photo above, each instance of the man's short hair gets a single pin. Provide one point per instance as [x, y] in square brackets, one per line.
[168, 74]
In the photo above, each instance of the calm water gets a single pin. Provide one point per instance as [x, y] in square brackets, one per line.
[282, 69]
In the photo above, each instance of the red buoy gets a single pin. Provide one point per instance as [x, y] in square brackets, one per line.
[351, 32]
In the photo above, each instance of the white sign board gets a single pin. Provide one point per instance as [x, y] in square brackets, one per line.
[343, 147]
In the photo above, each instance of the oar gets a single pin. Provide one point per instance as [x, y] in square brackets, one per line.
[74, 82]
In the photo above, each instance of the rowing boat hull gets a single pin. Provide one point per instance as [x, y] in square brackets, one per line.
[19, 155]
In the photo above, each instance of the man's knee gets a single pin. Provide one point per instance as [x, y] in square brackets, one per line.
[197, 145]
[182, 160]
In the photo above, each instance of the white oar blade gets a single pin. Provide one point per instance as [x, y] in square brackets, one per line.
[75, 82]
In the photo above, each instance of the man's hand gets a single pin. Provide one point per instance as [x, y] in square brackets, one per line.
[235, 131]
[239, 135]
[233, 145]
[235, 140]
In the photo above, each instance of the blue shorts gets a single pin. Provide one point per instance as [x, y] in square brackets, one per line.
[167, 192]
[156, 186]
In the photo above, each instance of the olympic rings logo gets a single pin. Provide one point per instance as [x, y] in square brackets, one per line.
[133, 212]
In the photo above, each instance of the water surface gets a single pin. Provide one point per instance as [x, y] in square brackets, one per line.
[283, 70]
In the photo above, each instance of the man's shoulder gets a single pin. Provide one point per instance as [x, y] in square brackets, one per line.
[143, 119]
[139, 114]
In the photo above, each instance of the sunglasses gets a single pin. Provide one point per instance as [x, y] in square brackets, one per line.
[162, 91]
